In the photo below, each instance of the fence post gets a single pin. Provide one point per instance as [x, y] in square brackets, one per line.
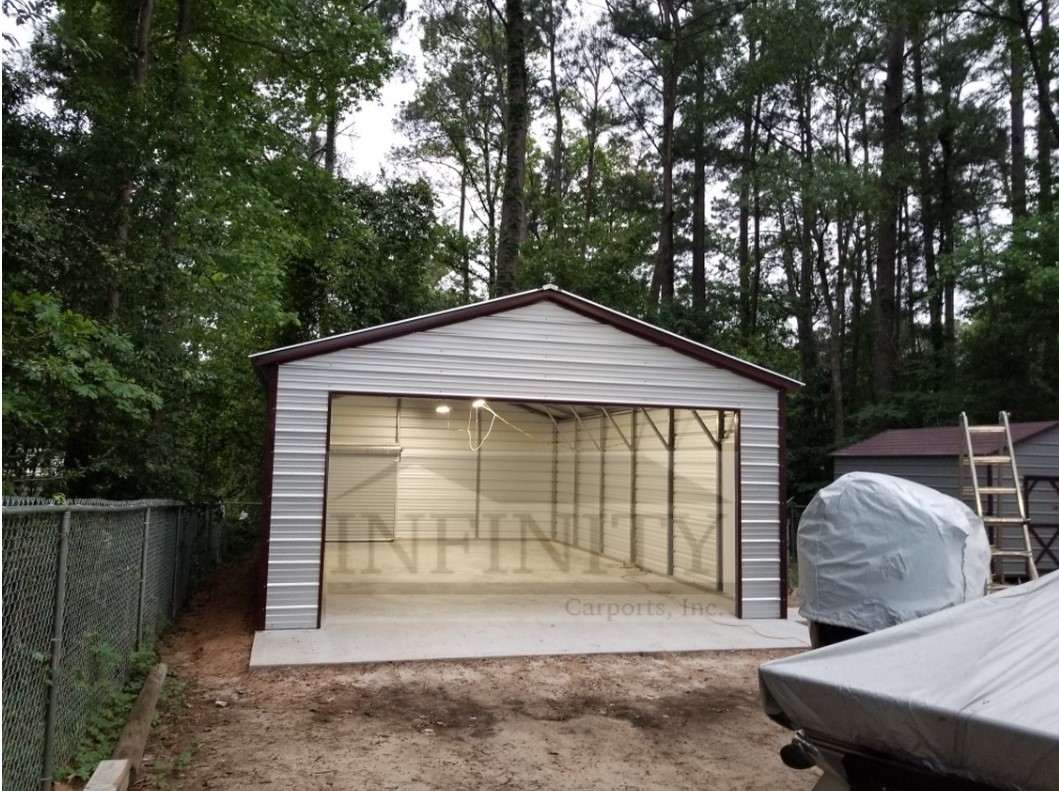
[142, 610]
[56, 655]
[173, 608]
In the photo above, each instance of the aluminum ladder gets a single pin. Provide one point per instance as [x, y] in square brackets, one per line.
[998, 500]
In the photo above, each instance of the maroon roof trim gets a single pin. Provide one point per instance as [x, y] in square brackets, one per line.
[937, 441]
[492, 307]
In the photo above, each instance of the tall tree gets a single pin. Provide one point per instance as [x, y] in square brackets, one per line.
[893, 100]
[516, 127]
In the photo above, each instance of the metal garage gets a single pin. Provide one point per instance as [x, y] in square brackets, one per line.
[517, 442]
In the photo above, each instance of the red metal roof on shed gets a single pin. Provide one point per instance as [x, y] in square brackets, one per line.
[940, 441]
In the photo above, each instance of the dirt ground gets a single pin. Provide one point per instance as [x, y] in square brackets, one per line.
[672, 721]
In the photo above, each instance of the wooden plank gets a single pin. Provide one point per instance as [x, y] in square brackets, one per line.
[134, 736]
[111, 776]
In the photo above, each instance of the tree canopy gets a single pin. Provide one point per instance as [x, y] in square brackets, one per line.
[859, 194]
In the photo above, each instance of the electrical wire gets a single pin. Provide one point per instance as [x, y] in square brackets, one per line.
[477, 418]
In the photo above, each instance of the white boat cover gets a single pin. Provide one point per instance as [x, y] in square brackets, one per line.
[875, 551]
[971, 691]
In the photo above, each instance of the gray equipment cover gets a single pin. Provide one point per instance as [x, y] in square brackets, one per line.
[875, 550]
[969, 691]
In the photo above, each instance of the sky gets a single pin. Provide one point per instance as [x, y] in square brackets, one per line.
[368, 135]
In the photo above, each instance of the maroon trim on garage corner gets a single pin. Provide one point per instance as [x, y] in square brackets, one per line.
[739, 515]
[272, 384]
[784, 549]
[492, 307]
[323, 512]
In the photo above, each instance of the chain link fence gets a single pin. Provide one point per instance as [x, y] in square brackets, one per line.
[86, 584]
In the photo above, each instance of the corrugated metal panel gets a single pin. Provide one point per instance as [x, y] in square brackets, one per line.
[361, 495]
[588, 485]
[617, 489]
[652, 492]
[760, 472]
[437, 479]
[541, 353]
[565, 485]
[695, 528]
[516, 474]
[729, 475]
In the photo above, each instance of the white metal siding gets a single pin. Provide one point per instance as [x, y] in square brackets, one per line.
[565, 488]
[617, 488]
[652, 492]
[436, 483]
[729, 475]
[588, 485]
[516, 475]
[760, 544]
[541, 352]
[695, 528]
[361, 496]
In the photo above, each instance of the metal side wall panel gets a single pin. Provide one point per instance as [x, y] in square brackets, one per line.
[516, 474]
[695, 525]
[438, 471]
[617, 489]
[760, 563]
[652, 495]
[588, 471]
[565, 484]
[730, 476]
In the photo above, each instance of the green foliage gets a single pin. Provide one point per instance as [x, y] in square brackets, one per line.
[151, 218]
[108, 720]
[1012, 341]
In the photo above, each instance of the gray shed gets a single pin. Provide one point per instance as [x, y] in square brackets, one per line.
[930, 456]
[538, 418]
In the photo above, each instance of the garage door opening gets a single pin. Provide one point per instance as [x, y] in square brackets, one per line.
[462, 509]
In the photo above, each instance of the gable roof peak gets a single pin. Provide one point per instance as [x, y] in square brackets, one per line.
[550, 293]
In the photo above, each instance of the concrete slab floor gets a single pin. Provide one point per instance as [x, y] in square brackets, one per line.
[468, 599]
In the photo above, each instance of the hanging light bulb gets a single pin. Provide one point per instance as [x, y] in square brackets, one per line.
[478, 403]
[443, 409]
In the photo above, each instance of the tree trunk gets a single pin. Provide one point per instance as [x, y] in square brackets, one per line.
[926, 198]
[747, 174]
[465, 259]
[1018, 129]
[662, 281]
[1040, 66]
[698, 213]
[948, 224]
[885, 271]
[556, 177]
[141, 48]
[517, 119]
[330, 144]
[1044, 130]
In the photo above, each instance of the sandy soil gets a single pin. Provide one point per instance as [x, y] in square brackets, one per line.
[677, 721]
